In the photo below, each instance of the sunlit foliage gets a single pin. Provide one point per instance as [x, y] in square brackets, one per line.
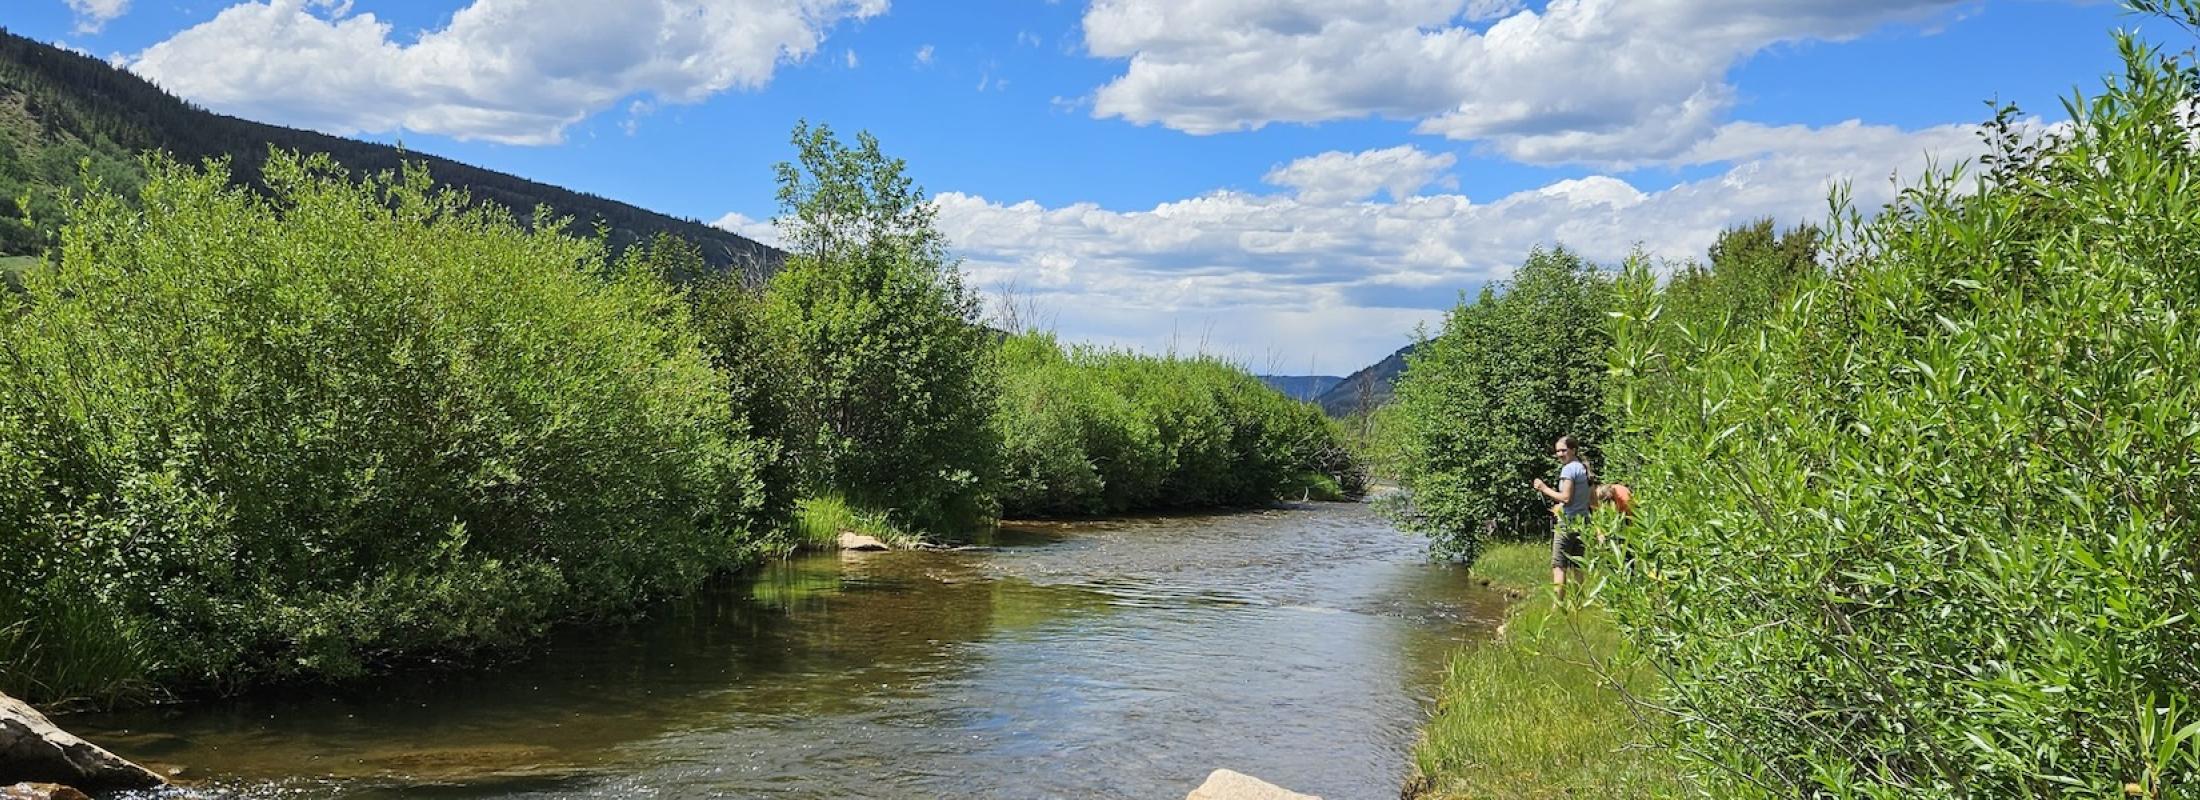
[1481, 402]
[1928, 529]
[1090, 431]
[248, 437]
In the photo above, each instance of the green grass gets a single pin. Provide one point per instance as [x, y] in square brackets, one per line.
[1539, 711]
[819, 521]
[1315, 486]
[101, 659]
[1520, 566]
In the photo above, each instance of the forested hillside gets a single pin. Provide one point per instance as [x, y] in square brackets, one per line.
[1366, 390]
[60, 110]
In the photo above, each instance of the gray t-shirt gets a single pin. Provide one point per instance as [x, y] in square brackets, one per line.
[1574, 471]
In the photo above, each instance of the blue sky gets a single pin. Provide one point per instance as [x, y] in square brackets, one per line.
[1295, 184]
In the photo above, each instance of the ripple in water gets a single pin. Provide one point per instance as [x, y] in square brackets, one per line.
[1123, 658]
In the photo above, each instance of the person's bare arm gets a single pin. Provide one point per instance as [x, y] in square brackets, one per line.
[1562, 494]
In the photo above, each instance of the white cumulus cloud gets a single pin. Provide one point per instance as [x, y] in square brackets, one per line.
[761, 230]
[1594, 81]
[1333, 176]
[92, 15]
[515, 71]
[1321, 274]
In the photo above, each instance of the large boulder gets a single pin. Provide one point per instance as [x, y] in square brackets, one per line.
[32, 750]
[1223, 784]
[850, 540]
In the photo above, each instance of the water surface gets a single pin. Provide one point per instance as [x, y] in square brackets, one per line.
[1089, 660]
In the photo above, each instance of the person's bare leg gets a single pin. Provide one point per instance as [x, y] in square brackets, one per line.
[1558, 581]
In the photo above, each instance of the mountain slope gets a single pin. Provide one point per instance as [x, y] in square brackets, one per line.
[1300, 387]
[59, 108]
[1367, 389]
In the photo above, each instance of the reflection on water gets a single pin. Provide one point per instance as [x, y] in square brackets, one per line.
[1095, 659]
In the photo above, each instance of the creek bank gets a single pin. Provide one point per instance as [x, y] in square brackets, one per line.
[866, 543]
[1541, 710]
[35, 751]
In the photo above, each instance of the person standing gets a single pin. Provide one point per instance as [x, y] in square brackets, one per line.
[1574, 496]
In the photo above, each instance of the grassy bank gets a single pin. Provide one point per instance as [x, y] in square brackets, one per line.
[1539, 711]
[819, 521]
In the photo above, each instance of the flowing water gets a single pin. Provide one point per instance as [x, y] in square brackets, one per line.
[1121, 658]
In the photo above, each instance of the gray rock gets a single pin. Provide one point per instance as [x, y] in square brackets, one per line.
[850, 540]
[32, 750]
[1223, 784]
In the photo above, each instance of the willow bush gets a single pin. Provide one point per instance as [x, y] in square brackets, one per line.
[1072, 445]
[1480, 403]
[1091, 431]
[1929, 530]
[248, 437]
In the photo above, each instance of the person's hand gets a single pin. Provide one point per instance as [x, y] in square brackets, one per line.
[1540, 486]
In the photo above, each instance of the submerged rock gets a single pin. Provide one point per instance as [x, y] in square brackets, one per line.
[1223, 784]
[34, 751]
[40, 791]
[850, 540]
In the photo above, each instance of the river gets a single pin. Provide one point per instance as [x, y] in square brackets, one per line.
[1124, 658]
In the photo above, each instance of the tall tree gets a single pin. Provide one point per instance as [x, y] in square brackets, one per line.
[889, 398]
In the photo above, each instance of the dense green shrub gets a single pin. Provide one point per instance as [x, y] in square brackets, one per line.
[1702, 308]
[1089, 431]
[1072, 444]
[1480, 404]
[1751, 272]
[890, 384]
[756, 366]
[247, 437]
[1930, 529]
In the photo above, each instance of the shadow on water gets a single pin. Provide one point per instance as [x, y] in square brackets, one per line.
[1118, 658]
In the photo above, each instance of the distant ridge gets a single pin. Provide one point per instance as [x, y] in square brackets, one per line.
[1300, 387]
[1367, 389]
[72, 104]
